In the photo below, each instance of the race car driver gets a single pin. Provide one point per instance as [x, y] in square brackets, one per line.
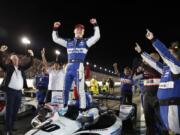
[77, 49]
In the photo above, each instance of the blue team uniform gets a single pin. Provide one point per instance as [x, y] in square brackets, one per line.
[169, 87]
[126, 89]
[76, 50]
[41, 83]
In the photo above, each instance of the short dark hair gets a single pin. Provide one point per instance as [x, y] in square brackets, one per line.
[127, 68]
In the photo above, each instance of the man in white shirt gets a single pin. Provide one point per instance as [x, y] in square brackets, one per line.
[56, 81]
[13, 83]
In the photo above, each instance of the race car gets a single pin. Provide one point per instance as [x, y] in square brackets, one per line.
[98, 122]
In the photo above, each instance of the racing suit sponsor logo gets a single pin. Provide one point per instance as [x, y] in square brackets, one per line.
[166, 85]
[77, 50]
[150, 82]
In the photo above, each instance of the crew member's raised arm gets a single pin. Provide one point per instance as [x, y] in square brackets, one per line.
[158, 66]
[168, 58]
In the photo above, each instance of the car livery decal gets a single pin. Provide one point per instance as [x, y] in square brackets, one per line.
[116, 132]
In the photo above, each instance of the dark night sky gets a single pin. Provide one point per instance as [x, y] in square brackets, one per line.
[121, 25]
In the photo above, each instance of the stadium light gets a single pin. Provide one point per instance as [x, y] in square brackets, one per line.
[25, 41]
[57, 52]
